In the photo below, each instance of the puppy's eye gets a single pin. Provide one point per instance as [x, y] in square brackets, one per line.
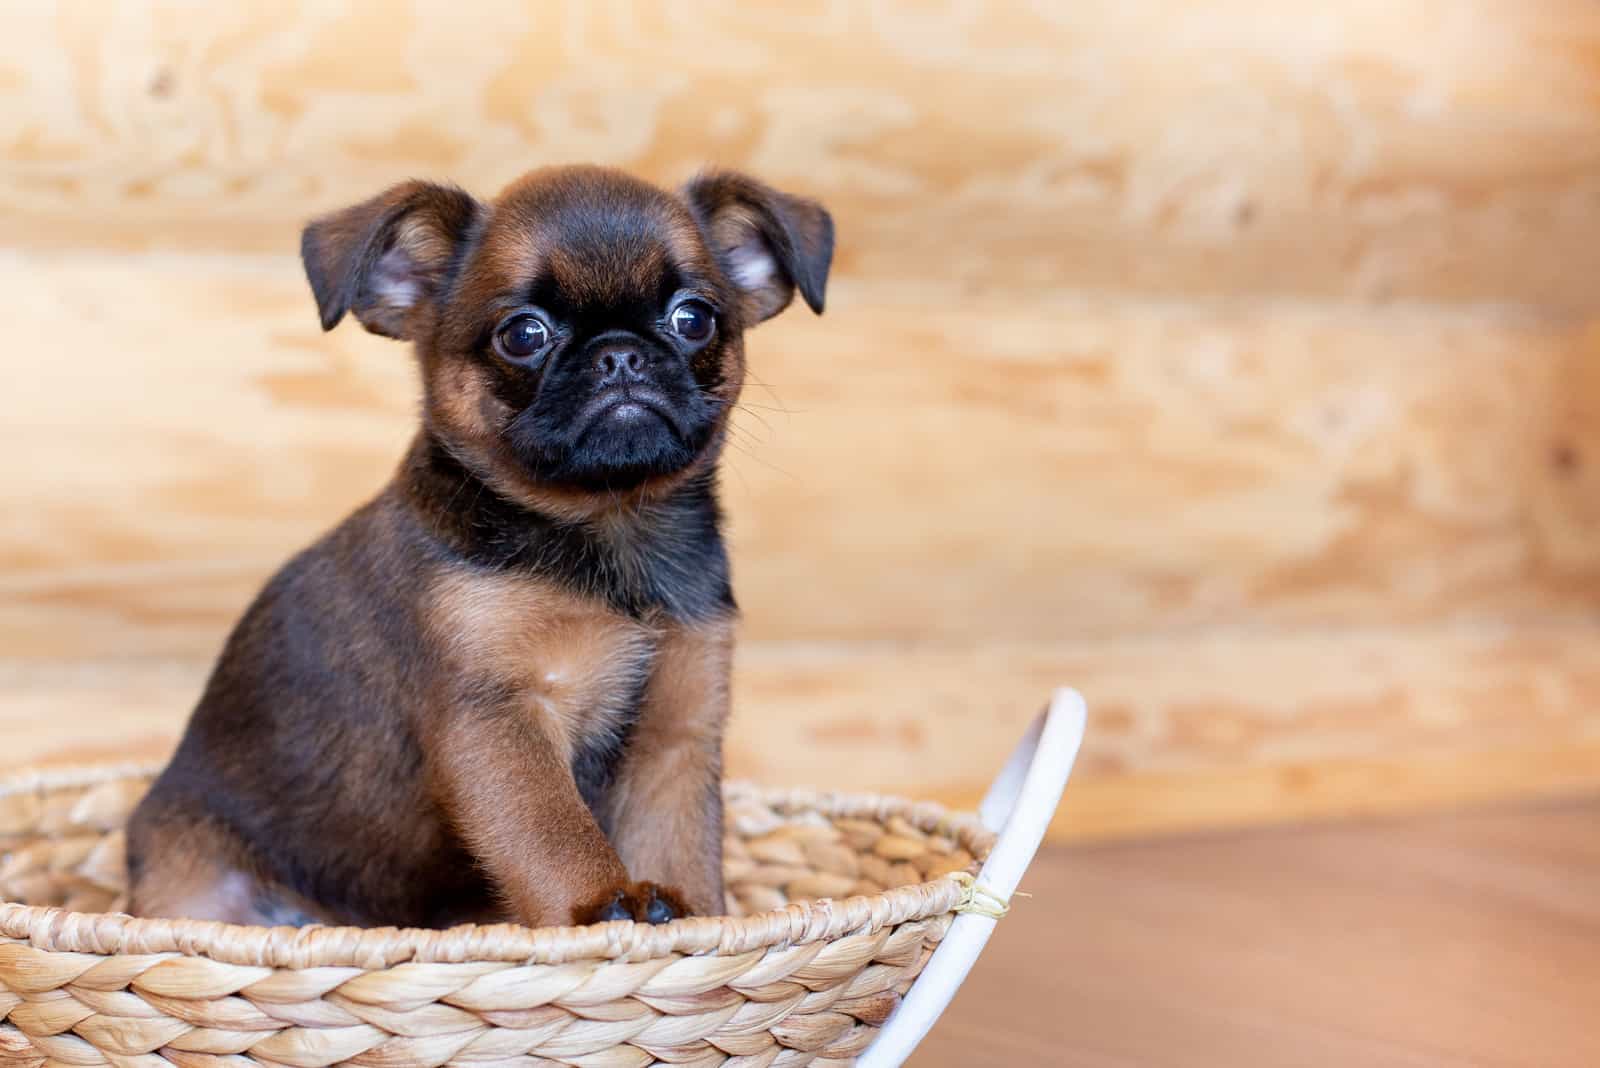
[693, 321]
[524, 336]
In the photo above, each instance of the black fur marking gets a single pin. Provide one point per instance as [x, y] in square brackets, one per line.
[669, 558]
[559, 431]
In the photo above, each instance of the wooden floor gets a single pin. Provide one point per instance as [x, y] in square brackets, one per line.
[1460, 940]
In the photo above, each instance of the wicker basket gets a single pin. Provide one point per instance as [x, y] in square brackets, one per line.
[838, 902]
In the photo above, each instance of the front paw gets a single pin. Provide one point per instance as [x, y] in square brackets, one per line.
[639, 902]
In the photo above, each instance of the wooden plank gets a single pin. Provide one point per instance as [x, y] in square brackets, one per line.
[1184, 733]
[921, 464]
[1445, 149]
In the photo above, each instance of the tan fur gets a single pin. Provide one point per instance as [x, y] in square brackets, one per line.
[571, 662]
[509, 790]
[659, 806]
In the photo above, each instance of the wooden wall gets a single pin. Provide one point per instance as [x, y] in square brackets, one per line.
[1238, 363]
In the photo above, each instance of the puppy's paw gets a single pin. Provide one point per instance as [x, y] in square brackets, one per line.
[639, 902]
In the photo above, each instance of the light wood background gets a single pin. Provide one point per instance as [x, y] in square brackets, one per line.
[1238, 363]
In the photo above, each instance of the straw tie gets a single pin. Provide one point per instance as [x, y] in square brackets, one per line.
[977, 899]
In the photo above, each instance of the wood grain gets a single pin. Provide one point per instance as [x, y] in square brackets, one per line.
[918, 465]
[1443, 942]
[1239, 365]
[1190, 733]
[1442, 149]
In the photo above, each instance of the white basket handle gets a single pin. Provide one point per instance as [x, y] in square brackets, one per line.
[1019, 806]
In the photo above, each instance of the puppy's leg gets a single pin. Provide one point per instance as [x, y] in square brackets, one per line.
[664, 808]
[511, 794]
[194, 873]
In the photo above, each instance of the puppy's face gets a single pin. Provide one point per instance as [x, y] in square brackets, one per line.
[582, 335]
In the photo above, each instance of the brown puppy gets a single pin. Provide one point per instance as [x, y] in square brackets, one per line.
[497, 691]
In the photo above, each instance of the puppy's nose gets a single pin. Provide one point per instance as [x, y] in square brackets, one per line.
[616, 364]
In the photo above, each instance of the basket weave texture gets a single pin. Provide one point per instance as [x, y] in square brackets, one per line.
[838, 901]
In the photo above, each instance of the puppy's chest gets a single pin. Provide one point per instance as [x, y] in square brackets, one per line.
[530, 646]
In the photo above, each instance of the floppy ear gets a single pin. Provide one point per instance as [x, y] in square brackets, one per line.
[769, 242]
[380, 258]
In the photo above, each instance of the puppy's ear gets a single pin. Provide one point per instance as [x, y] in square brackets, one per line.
[380, 258]
[769, 242]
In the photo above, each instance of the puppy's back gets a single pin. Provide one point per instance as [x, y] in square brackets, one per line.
[300, 766]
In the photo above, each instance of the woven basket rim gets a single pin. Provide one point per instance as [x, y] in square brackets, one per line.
[107, 934]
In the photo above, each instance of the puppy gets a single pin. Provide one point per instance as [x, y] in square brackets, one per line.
[497, 691]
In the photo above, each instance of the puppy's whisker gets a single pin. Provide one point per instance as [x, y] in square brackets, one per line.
[747, 439]
[756, 416]
[771, 408]
[750, 376]
[456, 495]
[739, 448]
[744, 479]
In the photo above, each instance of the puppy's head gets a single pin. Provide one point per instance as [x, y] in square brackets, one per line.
[581, 336]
